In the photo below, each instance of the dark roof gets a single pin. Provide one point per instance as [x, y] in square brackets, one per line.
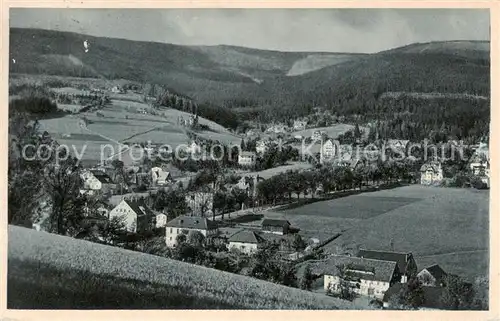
[102, 177]
[400, 258]
[192, 222]
[140, 208]
[275, 222]
[432, 295]
[437, 272]
[246, 236]
[366, 269]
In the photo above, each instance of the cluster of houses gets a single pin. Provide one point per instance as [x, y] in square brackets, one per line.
[244, 240]
[381, 275]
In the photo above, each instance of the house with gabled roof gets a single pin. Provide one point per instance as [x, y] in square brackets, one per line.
[276, 226]
[433, 275]
[246, 241]
[137, 216]
[185, 224]
[367, 277]
[407, 266]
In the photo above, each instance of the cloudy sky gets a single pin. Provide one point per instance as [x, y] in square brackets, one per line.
[335, 30]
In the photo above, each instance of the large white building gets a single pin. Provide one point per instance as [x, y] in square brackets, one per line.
[185, 224]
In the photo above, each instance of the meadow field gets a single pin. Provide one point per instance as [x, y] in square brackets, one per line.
[47, 271]
[444, 226]
[123, 120]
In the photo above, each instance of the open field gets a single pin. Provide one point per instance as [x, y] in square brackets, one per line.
[268, 173]
[122, 121]
[423, 220]
[61, 272]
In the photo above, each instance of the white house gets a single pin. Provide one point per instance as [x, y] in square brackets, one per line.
[366, 277]
[137, 216]
[431, 173]
[247, 159]
[159, 176]
[97, 181]
[185, 224]
[161, 220]
[246, 241]
[328, 150]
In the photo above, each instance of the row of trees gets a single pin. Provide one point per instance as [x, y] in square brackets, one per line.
[328, 179]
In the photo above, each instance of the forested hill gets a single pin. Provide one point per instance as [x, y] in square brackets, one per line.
[283, 85]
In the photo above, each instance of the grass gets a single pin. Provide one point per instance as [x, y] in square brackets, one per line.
[268, 173]
[423, 220]
[51, 271]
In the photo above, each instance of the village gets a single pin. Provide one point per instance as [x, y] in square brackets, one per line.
[234, 208]
[149, 168]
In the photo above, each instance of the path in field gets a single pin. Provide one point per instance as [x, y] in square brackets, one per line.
[452, 253]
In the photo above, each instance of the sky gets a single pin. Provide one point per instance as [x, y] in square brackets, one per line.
[331, 30]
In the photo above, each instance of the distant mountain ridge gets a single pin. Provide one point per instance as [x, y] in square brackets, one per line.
[244, 77]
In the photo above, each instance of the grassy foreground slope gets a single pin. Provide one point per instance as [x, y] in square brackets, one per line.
[51, 271]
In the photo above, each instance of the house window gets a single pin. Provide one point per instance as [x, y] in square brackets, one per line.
[370, 291]
[171, 230]
[170, 238]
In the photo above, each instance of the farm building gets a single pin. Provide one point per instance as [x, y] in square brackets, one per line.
[138, 217]
[185, 224]
[276, 226]
[432, 276]
[407, 267]
[246, 241]
[367, 277]
[247, 159]
[431, 173]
